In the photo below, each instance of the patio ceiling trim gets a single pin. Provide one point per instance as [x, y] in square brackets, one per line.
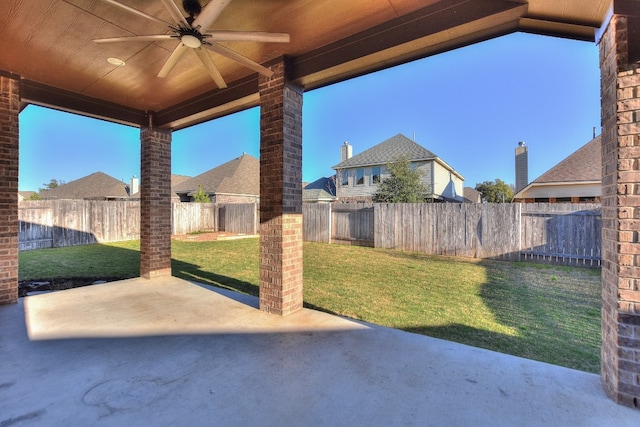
[430, 20]
[546, 27]
[72, 102]
[240, 95]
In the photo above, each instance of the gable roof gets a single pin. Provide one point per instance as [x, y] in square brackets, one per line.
[238, 176]
[386, 151]
[584, 164]
[322, 189]
[98, 185]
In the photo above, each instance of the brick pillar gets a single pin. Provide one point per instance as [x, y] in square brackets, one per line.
[619, 45]
[155, 203]
[9, 109]
[280, 193]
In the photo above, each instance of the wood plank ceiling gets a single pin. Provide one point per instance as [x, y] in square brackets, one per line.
[48, 45]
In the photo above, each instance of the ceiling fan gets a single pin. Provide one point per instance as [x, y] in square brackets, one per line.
[193, 34]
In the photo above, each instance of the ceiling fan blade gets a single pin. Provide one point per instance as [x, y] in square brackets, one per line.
[248, 36]
[211, 67]
[210, 13]
[180, 50]
[225, 51]
[175, 13]
[150, 38]
[135, 11]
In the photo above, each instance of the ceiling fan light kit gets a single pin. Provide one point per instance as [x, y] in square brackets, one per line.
[192, 33]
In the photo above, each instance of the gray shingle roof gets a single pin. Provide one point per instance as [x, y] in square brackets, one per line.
[584, 164]
[238, 176]
[322, 189]
[178, 179]
[98, 185]
[386, 151]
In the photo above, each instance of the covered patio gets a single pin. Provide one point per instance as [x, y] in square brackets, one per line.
[170, 352]
[50, 58]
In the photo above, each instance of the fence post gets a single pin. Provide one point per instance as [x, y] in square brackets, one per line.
[519, 215]
[330, 223]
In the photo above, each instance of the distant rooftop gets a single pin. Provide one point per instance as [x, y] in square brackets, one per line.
[584, 164]
[393, 148]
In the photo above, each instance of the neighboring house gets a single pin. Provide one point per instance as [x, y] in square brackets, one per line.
[176, 180]
[358, 176]
[237, 181]
[322, 190]
[25, 195]
[97, 186]
[471, 195]
[576, 179]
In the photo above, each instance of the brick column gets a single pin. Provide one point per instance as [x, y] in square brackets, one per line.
[9, 109]
[155, 203]
[280, 193]
[619, 46]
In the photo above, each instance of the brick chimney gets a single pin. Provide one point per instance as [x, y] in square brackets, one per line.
[522, 166]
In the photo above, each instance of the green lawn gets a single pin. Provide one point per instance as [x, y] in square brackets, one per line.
[546, 313]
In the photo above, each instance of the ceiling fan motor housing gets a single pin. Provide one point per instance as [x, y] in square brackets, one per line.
[192, 7]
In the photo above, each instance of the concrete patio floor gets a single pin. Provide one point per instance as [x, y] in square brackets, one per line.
[168, 352]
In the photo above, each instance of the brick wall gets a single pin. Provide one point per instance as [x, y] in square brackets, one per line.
[280, 193]
[155, 203]
[9, 109]
[230, 198]
[620, 92]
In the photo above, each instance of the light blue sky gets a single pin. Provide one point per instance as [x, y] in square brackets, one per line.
[470, 106]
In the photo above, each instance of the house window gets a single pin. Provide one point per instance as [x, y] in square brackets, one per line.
[360, 176]
[375, 174]
[345, 177]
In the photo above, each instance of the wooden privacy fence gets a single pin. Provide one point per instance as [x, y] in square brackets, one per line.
[456, 229]
[241, 218]
[561, 233]
[57, 223]
[189, 217]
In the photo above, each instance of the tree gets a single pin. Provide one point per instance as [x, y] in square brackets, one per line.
[34, 196]
[496, 191]
[403, 186]
[51, 184]
[200, 196]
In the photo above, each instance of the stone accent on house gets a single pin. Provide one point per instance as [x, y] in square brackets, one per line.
[280, 193]
[620, 93]
[155, 203]
[9, 110]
